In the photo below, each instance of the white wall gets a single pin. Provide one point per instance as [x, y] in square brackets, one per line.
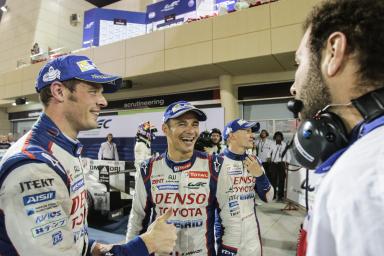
[42, 21]
[53, 28]
[17, 30]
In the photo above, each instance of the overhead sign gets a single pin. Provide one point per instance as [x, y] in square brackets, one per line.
[104, 26]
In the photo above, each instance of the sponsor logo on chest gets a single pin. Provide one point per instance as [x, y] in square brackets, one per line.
[38, 198]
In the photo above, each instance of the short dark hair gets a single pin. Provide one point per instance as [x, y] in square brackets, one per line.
[45, 94]
[362, 22]
[278, 133]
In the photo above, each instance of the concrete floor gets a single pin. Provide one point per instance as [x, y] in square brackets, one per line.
[279, 229]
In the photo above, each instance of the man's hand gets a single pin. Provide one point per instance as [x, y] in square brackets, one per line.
[253, 166]
[160, 237]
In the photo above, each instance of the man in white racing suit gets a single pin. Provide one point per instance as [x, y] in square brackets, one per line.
[43, 196]
[241, 177]
[182, 179]
[144, 136]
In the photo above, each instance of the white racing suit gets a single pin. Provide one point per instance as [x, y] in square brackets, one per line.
[43, 198]
[237, 226]
[188, 187]
[142, 152]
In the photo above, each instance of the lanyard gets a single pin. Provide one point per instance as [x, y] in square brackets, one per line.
[358, 132]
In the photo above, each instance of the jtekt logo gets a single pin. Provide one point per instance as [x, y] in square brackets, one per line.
[32, 184]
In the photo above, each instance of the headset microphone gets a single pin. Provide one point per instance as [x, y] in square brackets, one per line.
[322, 135]
[295, 106]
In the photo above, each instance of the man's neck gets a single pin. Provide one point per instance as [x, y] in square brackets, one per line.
[60, 121]
[236, 149]
[178, 156]
[350, 117]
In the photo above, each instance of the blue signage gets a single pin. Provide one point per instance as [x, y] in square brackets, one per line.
[169, 8]
[93, 17]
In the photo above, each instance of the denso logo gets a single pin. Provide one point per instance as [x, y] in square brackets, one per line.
[38, 198]
[103, 123]
[48, 216]
[176, 198]
[32, 184]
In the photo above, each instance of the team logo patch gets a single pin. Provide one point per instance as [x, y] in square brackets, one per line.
[182, 167]
[47, 216]
[38, 198]
[77, 185]
[85, 65]
[198, 175]
[168, 187]
[51, 75]
[195, 185]
[57, 237]
[41, 230]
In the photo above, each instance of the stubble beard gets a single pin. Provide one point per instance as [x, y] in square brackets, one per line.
[315, 93]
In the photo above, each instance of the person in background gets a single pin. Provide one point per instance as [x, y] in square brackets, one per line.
[43, 206]
[4, 144]
[108, 150]
[144, 137]
[263, 150]
[241, 178]
[278, 167]
[340, 74]
[11, 138]
[216, 138]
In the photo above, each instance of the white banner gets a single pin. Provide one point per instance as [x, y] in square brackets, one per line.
[126, 125]
[296, 186]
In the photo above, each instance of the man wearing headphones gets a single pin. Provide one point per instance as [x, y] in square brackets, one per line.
[108, 149]
[340, 81]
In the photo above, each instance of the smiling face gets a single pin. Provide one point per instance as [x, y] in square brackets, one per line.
[83, 105]
[182, 133]
[241, 140]
[309, 85]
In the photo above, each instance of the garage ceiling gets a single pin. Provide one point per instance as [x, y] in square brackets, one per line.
[101, 3]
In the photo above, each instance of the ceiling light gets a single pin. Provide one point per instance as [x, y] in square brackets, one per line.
[4, 8]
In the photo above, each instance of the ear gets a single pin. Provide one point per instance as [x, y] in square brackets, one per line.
[58, 91]
[165, 128]
[336, 52]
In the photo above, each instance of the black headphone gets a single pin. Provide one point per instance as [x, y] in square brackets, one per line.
[319, 137]
[215, 130]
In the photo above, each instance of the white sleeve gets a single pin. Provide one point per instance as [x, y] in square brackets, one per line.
[100, 154]
[36, 206]
[140, 154]
[139, 204]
